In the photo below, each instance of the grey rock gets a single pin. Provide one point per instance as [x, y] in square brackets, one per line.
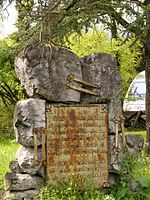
[21, 182]
[134, 144]
[113, 178]
[14, 167]
[29, 114]
[115, 155]
[101, 69]
[25, 157]
[16, 195]
[43, 72]
[134, 185]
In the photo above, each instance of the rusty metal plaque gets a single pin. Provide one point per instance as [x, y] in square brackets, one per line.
[77, 144]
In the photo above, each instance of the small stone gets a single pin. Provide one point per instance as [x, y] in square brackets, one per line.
[134, 144]
[113, 178]
[14, 166]
[21, 182]
[29, 114]
[134, 185]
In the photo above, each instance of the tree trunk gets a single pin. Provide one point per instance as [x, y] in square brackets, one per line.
[147, 73]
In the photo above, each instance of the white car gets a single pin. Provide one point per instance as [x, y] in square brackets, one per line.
[135, 97]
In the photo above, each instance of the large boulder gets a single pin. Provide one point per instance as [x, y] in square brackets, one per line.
[29, 114]
[21, 182]
[43, 72]
[101, 69]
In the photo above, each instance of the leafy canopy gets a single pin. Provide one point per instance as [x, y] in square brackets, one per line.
[53, 20]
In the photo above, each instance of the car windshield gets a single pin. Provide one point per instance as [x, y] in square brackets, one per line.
[137, 89]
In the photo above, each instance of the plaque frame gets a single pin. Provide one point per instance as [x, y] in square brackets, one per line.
[55, 156]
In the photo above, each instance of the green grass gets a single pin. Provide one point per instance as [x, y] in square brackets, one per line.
[7, 153]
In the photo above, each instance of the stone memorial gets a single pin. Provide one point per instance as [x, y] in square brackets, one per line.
[66, 126]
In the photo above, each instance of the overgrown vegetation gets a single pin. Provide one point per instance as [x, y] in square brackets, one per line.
[133, 184]
[8, 149]
[10, 91]
[71, 192]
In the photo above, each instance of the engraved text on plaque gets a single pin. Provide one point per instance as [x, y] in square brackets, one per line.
[77, 144]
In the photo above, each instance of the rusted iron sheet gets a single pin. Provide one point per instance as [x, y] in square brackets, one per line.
[77, 144]
[38, 162]
[35, 132]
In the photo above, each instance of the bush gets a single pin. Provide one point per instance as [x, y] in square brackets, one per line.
[72, 192]
[134, 183]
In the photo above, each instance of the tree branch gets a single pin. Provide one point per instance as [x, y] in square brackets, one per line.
[55, 5]
[71, 5]
[125, 24]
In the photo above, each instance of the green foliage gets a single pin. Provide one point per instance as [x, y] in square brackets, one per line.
[89, 43]
[66, 17]
[6, 122]
[72, 192]
[141, 171]
[8, 79]
[7, 153]
[10, 91]
[134, 182]
[128, 56]
[6, 60]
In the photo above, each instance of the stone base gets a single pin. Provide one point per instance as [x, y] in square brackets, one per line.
[26, 195]
[22, 182]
